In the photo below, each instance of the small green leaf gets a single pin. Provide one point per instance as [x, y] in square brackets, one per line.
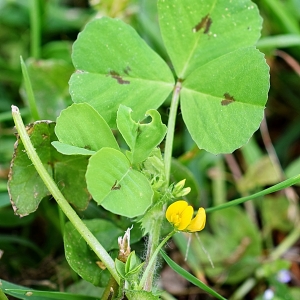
[133, 264]
[80, 125]
[154, 170]
[222, 109]
[141, 138]
[71, 150]
[79, 255]
[116, 186]
[27, 189]
[135, 271]
[120, 267]
[180, 172]
[115, 66]
[185, 274]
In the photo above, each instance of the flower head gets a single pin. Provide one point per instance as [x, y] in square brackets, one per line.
[180, 214]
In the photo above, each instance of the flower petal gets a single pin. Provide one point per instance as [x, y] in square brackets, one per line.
[176, 208]
[198, 222]
[186, 217]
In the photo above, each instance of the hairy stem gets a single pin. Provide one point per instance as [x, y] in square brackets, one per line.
[60, 199]
[153, 242]
[154, 235]
[153, 259]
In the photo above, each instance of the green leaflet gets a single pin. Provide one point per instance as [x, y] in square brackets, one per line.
[115, 66]
[26, 187]
[141, 138]
[116, 186]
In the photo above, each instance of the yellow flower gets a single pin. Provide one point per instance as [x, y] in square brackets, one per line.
[180, 214]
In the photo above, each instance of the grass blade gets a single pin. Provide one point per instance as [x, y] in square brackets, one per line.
[277, 187]
[191, 278]
[21, 292]
[29, 91]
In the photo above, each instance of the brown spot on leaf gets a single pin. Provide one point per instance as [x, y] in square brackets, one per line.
[228, 99]
[118, 77]
[116, 186]
[205, 24]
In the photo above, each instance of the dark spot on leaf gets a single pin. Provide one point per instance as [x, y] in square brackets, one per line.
[118, 77]
[116, 186]
[127, 70]
[87, 147]
[228, 99]
[205, 24]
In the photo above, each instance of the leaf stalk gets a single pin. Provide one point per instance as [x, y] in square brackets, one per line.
[171, 130]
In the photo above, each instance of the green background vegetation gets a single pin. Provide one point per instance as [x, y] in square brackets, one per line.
[248, 260]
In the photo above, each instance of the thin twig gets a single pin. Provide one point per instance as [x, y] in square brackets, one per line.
[289, 191]
[289, 60]
[237, 174]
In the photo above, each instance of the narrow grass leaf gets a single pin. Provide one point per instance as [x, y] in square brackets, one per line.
[29, 91]
[21, 292]
[277, 187]
[191, 278]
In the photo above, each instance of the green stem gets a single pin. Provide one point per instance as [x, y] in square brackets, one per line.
[244, 289]
[111, 288]
[272, 189]
[153, 242]
[154, 235]
[286, 244]
[35, 29]
[218, 183]
[153, 259]
[171, 130]
[29, 91]
[61, 201]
